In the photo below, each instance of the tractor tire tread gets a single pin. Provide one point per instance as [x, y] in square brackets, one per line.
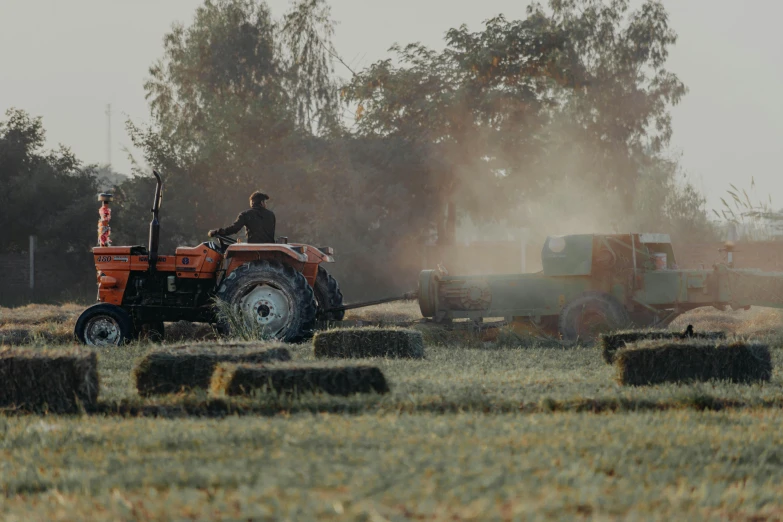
[620, 317]
[328, 295]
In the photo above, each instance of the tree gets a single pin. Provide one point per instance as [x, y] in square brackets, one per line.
[622, 115]
[524, 111]
[231, 100]
[477, 104]
[46, 194]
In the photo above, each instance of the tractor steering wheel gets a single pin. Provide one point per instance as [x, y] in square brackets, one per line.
[224, 241]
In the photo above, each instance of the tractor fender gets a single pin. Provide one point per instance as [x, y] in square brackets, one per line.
[291, 251]
[314, 254]
[240, 254]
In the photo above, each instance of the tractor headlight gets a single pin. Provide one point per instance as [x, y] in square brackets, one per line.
[556, 244]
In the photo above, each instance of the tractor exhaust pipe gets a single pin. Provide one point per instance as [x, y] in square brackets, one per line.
[152, 248]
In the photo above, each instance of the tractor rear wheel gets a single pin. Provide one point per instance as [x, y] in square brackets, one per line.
[328, 295]
[590, 315]
[271, 298]
[104, 324]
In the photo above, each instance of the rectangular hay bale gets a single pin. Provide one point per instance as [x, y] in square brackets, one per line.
[55, 381]
[369, 342]
[655, 362]
[185, 368]
[612, 342]
[294, 379]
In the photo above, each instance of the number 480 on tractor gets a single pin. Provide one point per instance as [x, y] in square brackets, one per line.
[279, 287]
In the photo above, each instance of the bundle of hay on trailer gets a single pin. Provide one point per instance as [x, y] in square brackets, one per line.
[186, 368]
[656, 362]
[369, 342]
[612, 342]
[295, 379]
[54, 381]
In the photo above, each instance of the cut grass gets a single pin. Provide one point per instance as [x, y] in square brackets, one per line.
[36, 314]
[493, 435]
[37, 334]
[664, 466]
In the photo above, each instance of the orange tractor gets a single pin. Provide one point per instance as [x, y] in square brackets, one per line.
[279, 287]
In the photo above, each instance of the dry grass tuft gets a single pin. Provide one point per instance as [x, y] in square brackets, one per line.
[44, 333]
[38, 324]
[655, 362]
[612, 342]
[36, 314]
[369, 342]
[15, 336]
[296, 379]
[186, 368]
[54, 381]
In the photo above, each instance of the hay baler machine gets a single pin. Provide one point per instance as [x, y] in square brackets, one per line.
[281, 288]
[595, 283]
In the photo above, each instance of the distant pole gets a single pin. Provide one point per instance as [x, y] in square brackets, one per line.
[732, 238]
[108, 134]
[32, 262]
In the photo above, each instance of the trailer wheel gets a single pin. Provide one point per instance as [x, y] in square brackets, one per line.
[327, 295]
[104, 324]
[271, 298]
[590, 315]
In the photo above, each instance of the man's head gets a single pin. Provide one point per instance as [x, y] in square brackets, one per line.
[258, 199]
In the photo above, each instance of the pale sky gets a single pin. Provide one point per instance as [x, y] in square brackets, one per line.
[65, 60]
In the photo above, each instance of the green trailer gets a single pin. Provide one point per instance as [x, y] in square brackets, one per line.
[592, 283]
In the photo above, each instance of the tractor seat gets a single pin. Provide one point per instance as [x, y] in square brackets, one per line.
[138, 250]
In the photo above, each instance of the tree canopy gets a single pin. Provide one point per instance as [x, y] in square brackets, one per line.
[578, 92]
[48, 194]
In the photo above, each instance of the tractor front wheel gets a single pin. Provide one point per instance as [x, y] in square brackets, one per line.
[590, 315]
[270, 299]
[104, 325]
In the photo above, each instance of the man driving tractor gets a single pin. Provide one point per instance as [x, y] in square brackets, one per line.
[257, 220]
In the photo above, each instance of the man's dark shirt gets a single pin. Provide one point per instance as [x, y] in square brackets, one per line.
[259, 222]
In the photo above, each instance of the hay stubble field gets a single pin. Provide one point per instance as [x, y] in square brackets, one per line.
[512, 429]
